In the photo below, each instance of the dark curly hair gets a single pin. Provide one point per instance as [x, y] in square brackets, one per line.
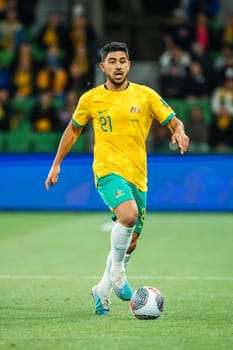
[113, 46]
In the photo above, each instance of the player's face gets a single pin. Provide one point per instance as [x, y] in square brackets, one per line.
[116, 67]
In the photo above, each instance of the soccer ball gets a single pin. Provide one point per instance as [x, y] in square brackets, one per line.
[147, 303]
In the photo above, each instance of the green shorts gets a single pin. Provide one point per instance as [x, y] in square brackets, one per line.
[115, 190]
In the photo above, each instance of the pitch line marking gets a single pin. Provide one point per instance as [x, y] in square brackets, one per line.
[93, 277]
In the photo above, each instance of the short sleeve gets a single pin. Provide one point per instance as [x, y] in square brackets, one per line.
[161, 109]
[81, 114]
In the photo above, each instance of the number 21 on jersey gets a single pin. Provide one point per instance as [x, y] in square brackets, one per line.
[105, 123]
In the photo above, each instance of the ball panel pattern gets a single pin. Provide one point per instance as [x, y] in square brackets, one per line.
[147, 303]
[140, 298]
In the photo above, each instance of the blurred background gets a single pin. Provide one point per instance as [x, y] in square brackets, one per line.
[49, 55]
[53, 243]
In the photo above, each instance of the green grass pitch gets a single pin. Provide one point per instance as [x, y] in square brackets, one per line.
[50, 261]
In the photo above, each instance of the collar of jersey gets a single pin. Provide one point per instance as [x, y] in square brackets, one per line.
[105, 86]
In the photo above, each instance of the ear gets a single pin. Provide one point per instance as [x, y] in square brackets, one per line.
[101, 65]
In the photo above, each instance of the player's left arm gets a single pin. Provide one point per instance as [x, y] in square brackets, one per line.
[179, 136]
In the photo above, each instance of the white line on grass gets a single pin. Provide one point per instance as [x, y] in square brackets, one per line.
[90, 277]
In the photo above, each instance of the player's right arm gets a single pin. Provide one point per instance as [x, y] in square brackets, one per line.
[67, 141]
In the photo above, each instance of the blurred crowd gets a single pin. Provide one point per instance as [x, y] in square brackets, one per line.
[196, 69]
[43, 73]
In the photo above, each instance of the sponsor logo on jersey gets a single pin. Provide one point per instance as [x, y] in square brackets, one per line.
[102, 111]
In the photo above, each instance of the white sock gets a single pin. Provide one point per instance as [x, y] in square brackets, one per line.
[105, 284]
[109, 264]
[120, 240]
[126, 260]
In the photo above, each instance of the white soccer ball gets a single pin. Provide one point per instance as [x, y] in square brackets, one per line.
[147, 303]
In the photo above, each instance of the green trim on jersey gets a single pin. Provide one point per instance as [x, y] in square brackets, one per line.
[76, 123]
[169, 118]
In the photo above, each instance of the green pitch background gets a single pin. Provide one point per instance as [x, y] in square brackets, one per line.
[50, 261]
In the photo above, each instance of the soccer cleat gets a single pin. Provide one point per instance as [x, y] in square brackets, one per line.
[99, 307]
[122, 288]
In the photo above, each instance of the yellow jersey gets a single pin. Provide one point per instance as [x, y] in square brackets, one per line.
[121, 123]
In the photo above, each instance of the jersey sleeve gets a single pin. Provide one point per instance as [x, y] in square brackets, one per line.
[161, 109]
[81, 114]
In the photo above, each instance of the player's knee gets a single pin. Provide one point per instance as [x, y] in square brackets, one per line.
[127, 213]
[130, 219]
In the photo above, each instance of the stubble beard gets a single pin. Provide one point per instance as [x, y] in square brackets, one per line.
[116, 82]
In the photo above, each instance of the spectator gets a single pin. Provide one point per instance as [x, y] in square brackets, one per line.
[222, 98]
[53, 33]
[224, 36]
[221, 133]
[198, 130]
[224, 58]
[202, 32]
[23, 54]
[12, 32]
[178, 32]
[44, 117]
[227, 31]
[5, 112]
[172, 83]
[23, 80]
[82, 33]
[23, 67]
[25, 10]
[52, 75]
[222, 64]
[199, 54]
[68, 108]
[221, 130]
[79, 69]
[174, 56]
[197, 84]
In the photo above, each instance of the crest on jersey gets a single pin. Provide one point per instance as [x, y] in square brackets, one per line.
[134, 109]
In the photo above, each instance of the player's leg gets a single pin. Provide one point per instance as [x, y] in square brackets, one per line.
[133, 243]
[121, 235]
[115, 191]
[105, 285]
[140, 198]
[132, 247]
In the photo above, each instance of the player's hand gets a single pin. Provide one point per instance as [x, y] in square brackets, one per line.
[52, 178]
[182, 140]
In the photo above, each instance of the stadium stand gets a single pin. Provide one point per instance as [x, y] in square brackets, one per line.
[211, 49]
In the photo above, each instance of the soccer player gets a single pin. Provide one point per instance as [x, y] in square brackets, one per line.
[121, 113]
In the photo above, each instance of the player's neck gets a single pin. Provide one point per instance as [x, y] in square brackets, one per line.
[116, 87]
